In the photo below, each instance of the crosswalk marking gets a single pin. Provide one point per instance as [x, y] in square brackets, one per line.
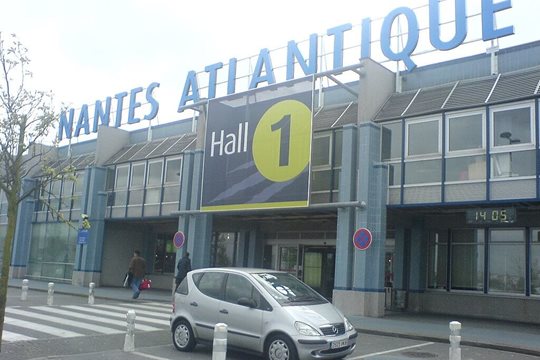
[95, 318]
[59, 320]
[41, 328]
[137, 311]
[12, 337]
[105, 319]
[114, 314]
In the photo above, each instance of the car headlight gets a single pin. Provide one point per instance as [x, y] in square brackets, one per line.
[348, 325]
[305, 329]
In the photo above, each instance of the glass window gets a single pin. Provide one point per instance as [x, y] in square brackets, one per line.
[437, 259]
[427, 171]
[511, 127]
[394, 174]
[210, 284]
[154, 174]
[507, 261]
[535, 262]
[137, 175]
[391, 140]
[465, 132]
[513, 164]
[225, 247]
[237, 287]
[466, 168]
[423, 138]
[321, 150]
[338, 145]
[164, 254]
[122, 177]
[467, 259]
[288, 258]
[172, 171]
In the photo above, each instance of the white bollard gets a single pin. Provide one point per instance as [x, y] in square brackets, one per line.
[219, 348]
[455, 339]
[91, 287]
[24, 290]
[50, 294]
[129, 342]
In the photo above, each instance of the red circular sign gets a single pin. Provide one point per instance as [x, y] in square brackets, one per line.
[179, 239]
[362, 239]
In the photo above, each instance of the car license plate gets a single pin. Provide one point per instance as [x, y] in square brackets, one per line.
[339, 344]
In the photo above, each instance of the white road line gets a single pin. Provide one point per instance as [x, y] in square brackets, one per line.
[150, 306]
[77, 315]
[149, 356]
[63, 321]
[117, 315]
[390, 351]
[41, 328]
[9, 336]
[138, 311]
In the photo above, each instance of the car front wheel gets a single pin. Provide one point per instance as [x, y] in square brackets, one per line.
[183, 338]
[280, 348]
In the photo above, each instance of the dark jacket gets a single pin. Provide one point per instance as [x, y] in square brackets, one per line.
[184, 266]
[137, 266]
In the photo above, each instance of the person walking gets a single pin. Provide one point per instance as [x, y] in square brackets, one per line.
[184, 266]
[137, 266]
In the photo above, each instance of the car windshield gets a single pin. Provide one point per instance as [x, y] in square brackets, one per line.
[287, 289]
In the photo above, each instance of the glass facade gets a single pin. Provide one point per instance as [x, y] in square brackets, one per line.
[52, 251]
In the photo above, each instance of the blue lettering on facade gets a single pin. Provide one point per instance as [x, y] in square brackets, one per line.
[264, 72]
[102, 113]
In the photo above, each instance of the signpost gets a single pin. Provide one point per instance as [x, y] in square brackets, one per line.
[362, 239]
[179, 239]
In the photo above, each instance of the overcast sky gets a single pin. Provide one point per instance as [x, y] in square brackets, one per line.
[87, 50]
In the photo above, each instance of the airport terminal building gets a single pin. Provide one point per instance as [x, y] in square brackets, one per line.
[421, 196]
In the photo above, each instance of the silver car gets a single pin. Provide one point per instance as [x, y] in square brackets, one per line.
[266, 312]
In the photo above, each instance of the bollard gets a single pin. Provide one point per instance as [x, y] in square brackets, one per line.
[455, 339]
[129, 342]
[91, 287]
[24, 290]
[219, 348]
[50, 294]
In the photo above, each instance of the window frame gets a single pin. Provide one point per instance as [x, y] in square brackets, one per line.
[467, 152]
[513, 147]
[415, 121]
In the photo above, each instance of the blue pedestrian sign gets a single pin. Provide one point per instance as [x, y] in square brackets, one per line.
[362, 239]
[82, 237]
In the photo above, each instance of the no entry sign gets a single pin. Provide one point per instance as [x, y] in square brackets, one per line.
[362, 239]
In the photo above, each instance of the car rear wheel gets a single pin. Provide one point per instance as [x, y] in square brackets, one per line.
[182, 335]
[280, 348]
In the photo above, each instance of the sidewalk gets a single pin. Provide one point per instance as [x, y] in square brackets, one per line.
[501, 335]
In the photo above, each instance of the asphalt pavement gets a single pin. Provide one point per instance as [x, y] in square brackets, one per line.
[501, 335]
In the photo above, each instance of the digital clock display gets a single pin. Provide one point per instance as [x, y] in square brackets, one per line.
[491, 216]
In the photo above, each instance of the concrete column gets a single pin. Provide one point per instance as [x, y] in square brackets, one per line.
[23, 233]
[345, 220]
[367, 297]
[417, 275]
[88, 257]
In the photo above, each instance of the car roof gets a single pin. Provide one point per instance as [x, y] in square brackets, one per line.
[238, 270]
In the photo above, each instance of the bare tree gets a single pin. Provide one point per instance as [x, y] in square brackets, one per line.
[26, 119]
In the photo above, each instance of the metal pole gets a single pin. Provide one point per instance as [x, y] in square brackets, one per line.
[24, 290]
[91, 287]
[455, 339]
[219, 348]
[50, 293]
[129, 342]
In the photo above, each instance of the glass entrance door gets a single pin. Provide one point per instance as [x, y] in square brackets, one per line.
[319, 269]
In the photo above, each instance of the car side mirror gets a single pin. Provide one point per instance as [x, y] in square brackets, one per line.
[244, 301]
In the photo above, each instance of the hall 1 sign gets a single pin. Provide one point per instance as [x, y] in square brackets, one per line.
[362, 239]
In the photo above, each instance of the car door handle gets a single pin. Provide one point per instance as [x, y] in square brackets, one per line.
[193, 303]
[224, 311]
